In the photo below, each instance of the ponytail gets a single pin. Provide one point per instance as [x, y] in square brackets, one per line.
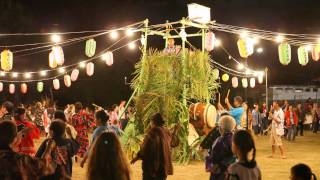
[314, 177]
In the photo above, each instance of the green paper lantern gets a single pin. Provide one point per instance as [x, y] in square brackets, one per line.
[225, 77]
[303, 55]
[91, 47]
[40, 86]
[284, 51]
[215, 74]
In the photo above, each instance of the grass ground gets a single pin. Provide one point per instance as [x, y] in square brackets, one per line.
[305, 149]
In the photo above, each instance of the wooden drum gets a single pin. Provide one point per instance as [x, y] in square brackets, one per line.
[203, 117]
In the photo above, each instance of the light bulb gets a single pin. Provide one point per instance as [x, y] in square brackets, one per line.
[14, 75]
[2, 73]
[129, 32]
[61, 70]
[43, 73]
[114, 35]
[217, 43]
[27, 75]
[55, 38]
[279, 39]
[259, 50]
[82, 64]
[240, 66]
[308, 47]
[131, 45]
[243, 34]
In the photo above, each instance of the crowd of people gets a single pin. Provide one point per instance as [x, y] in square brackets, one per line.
[66, 140]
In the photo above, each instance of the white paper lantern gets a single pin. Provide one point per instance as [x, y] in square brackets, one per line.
[234, 82]
[244, 82]
[109, 58]
[56, 84]
[1, 86]
[24, 88]
[58, 54]
[252, 82]
[12, 88]
[74, 74]
[90, 69]
[209, 41]
[67, 80]
[260, 79]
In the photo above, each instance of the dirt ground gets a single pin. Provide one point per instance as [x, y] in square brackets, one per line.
[305, 149]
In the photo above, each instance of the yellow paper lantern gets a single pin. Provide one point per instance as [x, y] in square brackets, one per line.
[67, 80]
[52, 61]
[225, 77]
[6, 60]
[245, 47]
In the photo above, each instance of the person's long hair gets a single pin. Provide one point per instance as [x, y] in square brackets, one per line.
[107, 159]
[245, 144]
[156, 152]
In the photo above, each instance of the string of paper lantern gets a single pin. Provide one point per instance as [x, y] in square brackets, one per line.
[67, 79]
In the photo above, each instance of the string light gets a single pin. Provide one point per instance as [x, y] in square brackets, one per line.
[259, 50]
[43, 73]
[14, 75]
[56, 38]
[114, 35]
[217, 43]
[279, 39]
[61, 70]
[131, 45]
[104, 56]
[255, 40]
[129, 32]
[82, 64]
[27, 75]
[248, 71]
[243, 34]
[240, 66]
[2, 74]
[308, 47]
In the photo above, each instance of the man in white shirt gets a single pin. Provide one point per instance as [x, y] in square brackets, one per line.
[277, 129]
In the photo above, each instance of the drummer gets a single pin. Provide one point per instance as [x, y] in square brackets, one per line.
[236, 111]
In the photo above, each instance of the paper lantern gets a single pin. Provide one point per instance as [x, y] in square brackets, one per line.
[252, 82]
[245, 47]
[235, 82]
[6, 60]
[244, 82]
[225, 77]
[260, 79]
[24, 88]
[52, 61]
[40, 86]
[1, 86]
[12, 88]
[91, 47]
[74, 74]
[316, 52]
[215, 74]
[67, 80]
[109, 58]
[284, 51]
[58, 54]
[303, 55]
[90, 69]
[209, 41]
[56, 84]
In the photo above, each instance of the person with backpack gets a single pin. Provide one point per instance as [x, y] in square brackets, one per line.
[62, 153]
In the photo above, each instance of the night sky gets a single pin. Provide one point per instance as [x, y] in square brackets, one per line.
[107, 85]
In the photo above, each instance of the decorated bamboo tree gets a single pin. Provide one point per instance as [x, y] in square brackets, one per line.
[162, 84]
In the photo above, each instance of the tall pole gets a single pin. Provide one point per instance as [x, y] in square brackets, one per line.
[266, 73]
[183, 39]
[144, 56]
